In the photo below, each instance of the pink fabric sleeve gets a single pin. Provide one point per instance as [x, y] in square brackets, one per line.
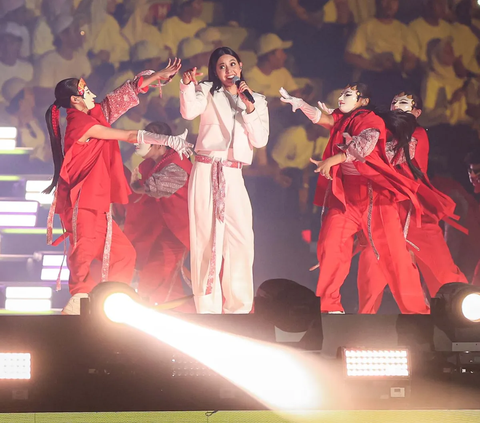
[361, 145]
[397, 158]
[123, 98]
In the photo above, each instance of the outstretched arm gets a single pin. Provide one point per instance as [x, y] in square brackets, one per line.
[313, 113]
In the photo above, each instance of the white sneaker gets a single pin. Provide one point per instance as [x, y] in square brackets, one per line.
[336, 312]
[73, 305]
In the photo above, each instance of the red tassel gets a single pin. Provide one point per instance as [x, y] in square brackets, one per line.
[56, 120]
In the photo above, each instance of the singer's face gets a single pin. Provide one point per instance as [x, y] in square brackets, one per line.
[349, 100]
[227, 68]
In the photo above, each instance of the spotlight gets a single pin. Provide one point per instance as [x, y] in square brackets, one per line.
[15, 365]
[8, 136]
[28, 299]
[33, 191]
[111, 299]
[456, 311]
[18, 213]
[280, 378]
[294, 311]
[364, 363]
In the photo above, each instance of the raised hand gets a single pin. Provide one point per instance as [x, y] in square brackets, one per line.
[190, 76]
[295, 102]
[324, 108]
[170, 70]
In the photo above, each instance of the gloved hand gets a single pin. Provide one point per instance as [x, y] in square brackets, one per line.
[177, 142]
[324, 108]
[313, 113]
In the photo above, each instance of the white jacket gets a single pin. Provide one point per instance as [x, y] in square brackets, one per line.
[217, 127]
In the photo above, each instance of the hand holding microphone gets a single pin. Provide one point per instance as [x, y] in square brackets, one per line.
[243, 89]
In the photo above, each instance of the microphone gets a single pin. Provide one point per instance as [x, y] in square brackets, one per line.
[246, 93]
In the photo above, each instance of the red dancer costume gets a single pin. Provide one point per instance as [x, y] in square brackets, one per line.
[89, 178]
[427, 242]
[361, 195]
[157, 220]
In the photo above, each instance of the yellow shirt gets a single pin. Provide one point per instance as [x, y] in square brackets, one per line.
[294, 149]
[374, 37]
[51, 68]
[422, 33]
[175, 30]
[268, 85]
[465, 43]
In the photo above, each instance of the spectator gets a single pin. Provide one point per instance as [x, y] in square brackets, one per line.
[139, 27]
[270, 73]
[66, 60]
[21, 112]
[11, 65]
[379, 49]
[298, 144]
[42, 37]
[211, 35]
[103, 38]
[465, 42]
[429, 27]
[16, 11]
[184, 24]
[443, 93]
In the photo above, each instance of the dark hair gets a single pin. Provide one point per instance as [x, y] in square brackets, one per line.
[402, 125]
[212, 66]
[417, 100]
[63, 92]
[362, 88]
[159, 128]
[473, 157]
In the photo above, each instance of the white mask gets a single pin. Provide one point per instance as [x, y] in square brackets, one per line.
[402, 102]
[347, 100]
[142, 149]
[89, 99]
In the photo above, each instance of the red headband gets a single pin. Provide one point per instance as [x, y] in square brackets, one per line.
[81, 87]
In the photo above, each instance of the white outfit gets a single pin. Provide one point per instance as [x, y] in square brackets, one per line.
[227, 134]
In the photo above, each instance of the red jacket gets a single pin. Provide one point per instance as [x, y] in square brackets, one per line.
[92, 172]
[376, 167]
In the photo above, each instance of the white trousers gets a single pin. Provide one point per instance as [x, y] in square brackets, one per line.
[234, 242]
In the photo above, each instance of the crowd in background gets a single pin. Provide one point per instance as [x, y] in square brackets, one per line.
[312, 48]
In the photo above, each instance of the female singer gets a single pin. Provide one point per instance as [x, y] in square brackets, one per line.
[234, 121]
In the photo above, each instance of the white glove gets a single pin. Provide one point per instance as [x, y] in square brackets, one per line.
[313, 113]
[177, 142]
[325, 109]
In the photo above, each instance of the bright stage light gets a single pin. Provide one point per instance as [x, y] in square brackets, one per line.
[18, 213]
[471, 307]
[52, 274]
[27, 305]
[29, 292]
[7, 144]
[8, 206]
[18, 220]
[8, 132]
[15, 365]
[33, 191]
[376, 363]
[281, 378]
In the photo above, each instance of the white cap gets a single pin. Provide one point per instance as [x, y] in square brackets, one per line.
[145, 50]
[12, 28]
[209, 34]
[61, 23]
[190, 47]
[7, 6]
[271, 42]
[12, 87]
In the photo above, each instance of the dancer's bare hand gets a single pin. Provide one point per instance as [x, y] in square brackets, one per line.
[323, 167]
[191, 76]
[170, 70]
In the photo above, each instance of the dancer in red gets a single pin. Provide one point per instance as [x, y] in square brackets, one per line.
[89, 177]
[360, 189]
[427, 242]
[157, 220]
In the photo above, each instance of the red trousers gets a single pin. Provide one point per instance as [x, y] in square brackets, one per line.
[433, 259]
[91, 233]
[160, 278]
[336, 239]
